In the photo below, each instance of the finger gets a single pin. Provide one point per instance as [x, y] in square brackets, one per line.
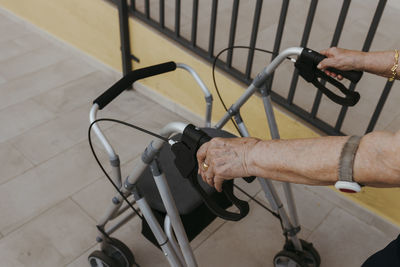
[323, 52]
[326, 63]
[210, 181]
[218, 183]
[202, 153]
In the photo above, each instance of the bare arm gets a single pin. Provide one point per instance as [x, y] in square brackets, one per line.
[307, 161]
[378, 63]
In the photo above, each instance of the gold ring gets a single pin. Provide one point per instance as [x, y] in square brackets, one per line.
[205, 166]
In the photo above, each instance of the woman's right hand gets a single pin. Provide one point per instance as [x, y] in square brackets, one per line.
[341, 59]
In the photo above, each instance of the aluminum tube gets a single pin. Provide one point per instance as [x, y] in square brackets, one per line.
[208, 112]
[116, 170]
[109, 214]
[273, 128]
[274, 200]
[287, 188]
[196, 77]
[160, 236]
[259, 81]
[176, 221]
[170, 233]
[167, 131]
[120, 223]
[92, 117]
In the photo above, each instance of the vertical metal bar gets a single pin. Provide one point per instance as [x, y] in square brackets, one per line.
[177, 17]
[232, 32]
[147, 8]
[278, 38]
[379, 106]
[304, 40]
[213, 24]
[133, 5]
[195, 13]
[253, 38]
[124, 36]
[367, 44]
[162, 14]
[335, 41]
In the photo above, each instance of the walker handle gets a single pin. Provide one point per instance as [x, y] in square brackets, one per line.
[117, 88]
[316, 58]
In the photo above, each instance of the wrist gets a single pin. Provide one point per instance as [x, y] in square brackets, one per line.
[251, 157]
[360, 61]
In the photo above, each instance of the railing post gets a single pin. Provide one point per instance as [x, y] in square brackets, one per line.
[124, 36]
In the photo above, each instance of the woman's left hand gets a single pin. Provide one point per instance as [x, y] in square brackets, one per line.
[224, 159]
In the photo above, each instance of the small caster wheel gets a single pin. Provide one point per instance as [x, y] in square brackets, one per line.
[287, 258]
[100, 259]
[119, 252]
[309, 255]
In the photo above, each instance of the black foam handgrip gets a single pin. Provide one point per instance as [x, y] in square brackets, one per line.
[316, 58]
[117, 88]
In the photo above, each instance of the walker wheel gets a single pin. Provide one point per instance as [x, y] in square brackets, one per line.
[309, 256]
[100, 259]
[119, 252]
[287, 258]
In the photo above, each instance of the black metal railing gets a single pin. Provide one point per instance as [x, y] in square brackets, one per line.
[245, 76]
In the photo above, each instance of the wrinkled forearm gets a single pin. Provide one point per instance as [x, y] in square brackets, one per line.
[315, 161]
[379, 63]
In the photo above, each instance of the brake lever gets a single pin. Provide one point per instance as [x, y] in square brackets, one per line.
[186, 162]
[307, 63]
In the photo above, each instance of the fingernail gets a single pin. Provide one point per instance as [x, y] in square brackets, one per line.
[319, 66]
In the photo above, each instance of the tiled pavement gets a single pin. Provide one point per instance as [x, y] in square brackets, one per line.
[52, 192]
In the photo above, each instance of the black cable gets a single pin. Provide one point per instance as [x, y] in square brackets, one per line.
[258, 202]
[101, 166]
[213, 74]
[265, 207]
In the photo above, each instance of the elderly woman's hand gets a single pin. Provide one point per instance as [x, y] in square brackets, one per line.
[225, 158]
[341, 59]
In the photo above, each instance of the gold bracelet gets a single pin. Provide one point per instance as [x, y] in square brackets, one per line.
[394, 68]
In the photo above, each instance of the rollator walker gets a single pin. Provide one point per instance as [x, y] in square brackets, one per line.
[175, 205]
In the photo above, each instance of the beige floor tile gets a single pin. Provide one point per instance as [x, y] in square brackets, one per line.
[250, 188]
[31, 41]
[38, 82]
[21, 117]
[9, 31]
[49, 139]
[356, 210]
[9, 49]
[12, 161]
[32, 61]
[311, 209]
[253, 241]
[360, 239]
[96, 198]
[78, 92]
[82, 260]
[46, 185]
[146, 253]
[5, 19]
[59, 134]
[21, 45]
[56, 235]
